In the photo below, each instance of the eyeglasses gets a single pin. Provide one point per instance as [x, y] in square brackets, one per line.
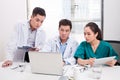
[83, 69]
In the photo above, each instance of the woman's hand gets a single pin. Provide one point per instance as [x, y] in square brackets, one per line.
[111, 63]
[85, 62]
[91, 61]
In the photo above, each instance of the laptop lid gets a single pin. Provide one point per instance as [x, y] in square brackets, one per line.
[46, 62]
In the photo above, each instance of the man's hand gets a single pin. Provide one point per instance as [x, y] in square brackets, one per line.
[7, 63]
[33, 49]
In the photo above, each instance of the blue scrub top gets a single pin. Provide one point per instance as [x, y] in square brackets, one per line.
[104, 49]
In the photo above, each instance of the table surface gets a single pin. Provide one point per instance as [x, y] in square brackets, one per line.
[24, 73]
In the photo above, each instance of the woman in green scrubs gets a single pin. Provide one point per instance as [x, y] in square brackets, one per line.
[94, 47]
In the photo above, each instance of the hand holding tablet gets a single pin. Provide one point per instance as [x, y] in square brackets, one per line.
[103, 60]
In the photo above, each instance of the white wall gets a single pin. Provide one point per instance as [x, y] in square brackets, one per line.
[11, 11]
[112, 20]
[54, 12]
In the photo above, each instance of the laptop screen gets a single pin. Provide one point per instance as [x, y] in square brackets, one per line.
[46, 62]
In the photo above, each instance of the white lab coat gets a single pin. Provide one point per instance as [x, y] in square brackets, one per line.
[53, 45]
[19, 39]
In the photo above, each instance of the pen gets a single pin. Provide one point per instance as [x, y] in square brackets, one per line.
[14, 67]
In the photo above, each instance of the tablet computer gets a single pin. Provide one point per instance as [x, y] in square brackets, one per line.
[103, 60]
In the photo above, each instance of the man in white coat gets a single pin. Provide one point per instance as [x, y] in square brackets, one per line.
[27, 36]
[63, 43]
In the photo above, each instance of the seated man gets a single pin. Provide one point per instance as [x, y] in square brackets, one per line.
[63, 43]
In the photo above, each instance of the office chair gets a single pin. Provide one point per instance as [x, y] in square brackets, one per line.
[116, 47]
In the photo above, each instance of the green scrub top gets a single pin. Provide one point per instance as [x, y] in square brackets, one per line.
[104, 49]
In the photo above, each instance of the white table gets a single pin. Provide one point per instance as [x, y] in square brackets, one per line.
[111, 73]
[108, 73]
[9, 74]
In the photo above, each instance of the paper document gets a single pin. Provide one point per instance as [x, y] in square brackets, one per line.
[103, 60]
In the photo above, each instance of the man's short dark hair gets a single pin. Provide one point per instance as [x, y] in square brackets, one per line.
[65, 22]
[38, 10]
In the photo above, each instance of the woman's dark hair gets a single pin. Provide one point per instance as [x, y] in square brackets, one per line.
[38, 10]
[94, 27]
[65, 22]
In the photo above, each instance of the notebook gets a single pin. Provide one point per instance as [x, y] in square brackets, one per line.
[49, 63]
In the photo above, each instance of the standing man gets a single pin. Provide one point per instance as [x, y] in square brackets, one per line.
[63, 43]
[27, 36]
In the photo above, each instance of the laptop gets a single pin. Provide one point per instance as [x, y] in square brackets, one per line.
[49, 63]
